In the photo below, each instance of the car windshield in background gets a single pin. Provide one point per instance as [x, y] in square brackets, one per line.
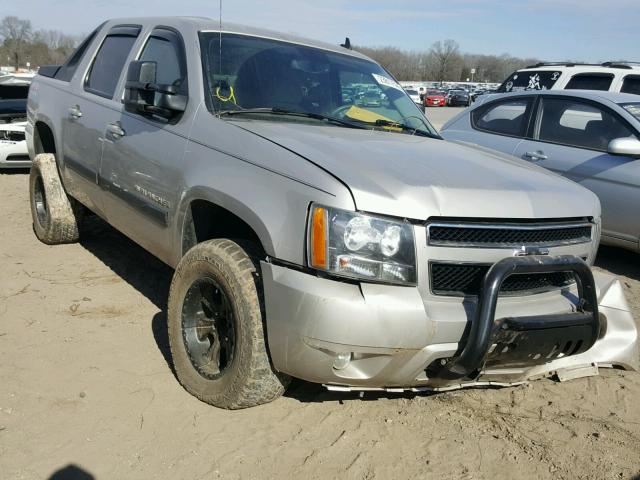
[13, 102]
[530, 80]
[632, 108]
[264, 78]
[412, 92]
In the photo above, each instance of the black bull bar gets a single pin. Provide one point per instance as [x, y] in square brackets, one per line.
[531, 340]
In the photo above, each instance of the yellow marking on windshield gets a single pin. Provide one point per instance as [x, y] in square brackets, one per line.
[364, 115]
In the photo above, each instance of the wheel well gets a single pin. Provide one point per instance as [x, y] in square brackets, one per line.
[44, 141]
[206, 221]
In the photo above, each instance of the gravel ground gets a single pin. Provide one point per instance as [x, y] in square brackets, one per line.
[86, 386]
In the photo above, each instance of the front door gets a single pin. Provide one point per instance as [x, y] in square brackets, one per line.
[571, 138]
[142, 157]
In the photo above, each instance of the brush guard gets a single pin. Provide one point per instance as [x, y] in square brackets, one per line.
[531, 340]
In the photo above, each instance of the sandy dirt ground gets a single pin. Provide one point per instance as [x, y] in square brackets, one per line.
[87, 391]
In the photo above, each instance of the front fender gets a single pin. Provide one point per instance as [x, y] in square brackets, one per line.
[227, 202]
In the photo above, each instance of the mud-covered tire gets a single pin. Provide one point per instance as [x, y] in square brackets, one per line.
[248, 379]
[56, 216]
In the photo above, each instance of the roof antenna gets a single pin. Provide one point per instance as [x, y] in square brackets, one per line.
[220, 39]
[346, 44]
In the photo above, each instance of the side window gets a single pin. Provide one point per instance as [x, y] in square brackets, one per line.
[590, 81]
[631, 84]
[109, 62]
[70, 66]
[577, 124]
[505, 118]
[165, 48]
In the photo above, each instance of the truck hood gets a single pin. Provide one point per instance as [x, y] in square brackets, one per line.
[417, 177]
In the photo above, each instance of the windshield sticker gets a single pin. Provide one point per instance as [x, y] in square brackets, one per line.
[386, 81]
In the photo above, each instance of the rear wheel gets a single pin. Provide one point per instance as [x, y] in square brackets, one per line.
[216, 330]
[56, 216]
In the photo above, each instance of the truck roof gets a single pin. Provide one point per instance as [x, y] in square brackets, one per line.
[204, 24]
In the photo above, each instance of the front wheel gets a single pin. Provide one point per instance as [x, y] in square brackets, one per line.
[216, 330]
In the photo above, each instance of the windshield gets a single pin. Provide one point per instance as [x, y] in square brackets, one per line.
[13, 102]
[258, 73]
[632, 108]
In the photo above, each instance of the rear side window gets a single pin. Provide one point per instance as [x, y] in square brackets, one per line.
[590, 81]
[631, 84]
[530, 80]
[109, 62]
[71, 65]
[578, 124]
[505, 118]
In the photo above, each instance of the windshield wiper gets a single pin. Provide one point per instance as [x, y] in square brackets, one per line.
[283, 111]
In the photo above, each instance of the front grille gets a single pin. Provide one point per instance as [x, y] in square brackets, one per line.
[465, 280]
[508, 235]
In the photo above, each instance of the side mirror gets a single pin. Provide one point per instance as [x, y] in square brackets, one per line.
[143, 95]
[624, 146]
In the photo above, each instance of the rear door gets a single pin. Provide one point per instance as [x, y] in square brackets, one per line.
[86, 113]
[571, 136]
[143, 154]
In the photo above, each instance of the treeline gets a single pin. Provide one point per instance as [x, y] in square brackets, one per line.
[443, 61]
[21, 45]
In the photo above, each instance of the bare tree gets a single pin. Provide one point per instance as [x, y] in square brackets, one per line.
[16, 34]
[446, 56]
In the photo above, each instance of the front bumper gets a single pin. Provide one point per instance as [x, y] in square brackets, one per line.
[381, 336]
[14, 155]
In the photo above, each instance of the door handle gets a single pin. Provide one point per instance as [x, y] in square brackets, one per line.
[75, 112]
[535, 156]
[115, 130]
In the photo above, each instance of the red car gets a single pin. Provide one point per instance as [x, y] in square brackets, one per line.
[434, 98]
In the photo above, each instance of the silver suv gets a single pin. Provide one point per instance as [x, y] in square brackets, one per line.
[318, 225]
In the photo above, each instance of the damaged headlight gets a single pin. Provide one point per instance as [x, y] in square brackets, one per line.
[365, 247]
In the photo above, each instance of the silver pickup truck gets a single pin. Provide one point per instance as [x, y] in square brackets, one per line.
[319, 226]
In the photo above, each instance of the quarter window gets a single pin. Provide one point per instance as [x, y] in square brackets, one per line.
[590, 81]
[631, 84]
[109, 62]
[505, 118]
[578, 124]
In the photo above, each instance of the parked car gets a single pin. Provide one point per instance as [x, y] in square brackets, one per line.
[415, 96]
[457, 98]
[13, 116]
[434, 98]
[589, 137]
[609, 76]
[343, 244]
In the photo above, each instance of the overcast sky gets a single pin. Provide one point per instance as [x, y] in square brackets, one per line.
[590, 30]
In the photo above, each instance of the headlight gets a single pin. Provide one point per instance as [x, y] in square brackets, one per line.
[350, 244]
